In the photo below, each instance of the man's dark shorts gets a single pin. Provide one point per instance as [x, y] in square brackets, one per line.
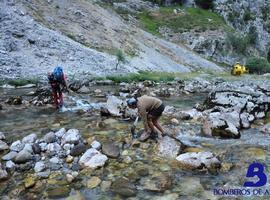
[157, 112]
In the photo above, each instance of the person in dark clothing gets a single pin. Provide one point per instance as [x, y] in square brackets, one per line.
[58, 83]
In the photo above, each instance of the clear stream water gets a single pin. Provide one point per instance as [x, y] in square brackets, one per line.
[235, 154]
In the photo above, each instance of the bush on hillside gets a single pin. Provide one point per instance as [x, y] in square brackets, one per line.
[205, 4]
[239, 43]
[258, 65]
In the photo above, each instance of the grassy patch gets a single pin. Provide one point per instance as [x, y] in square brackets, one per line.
[142, 76]
[188, 19]
[22, 82]
[168, 77]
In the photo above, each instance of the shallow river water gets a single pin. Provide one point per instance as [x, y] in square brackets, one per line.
[235, 154]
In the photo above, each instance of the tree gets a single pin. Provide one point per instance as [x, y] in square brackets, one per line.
[120, 58]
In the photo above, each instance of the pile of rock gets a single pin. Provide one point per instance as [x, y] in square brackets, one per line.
[233, 106]
[62, 150]
[42, 96]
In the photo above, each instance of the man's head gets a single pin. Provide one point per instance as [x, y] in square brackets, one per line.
[132, 103]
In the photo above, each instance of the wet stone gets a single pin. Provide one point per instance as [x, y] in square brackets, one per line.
[111, 150]
[123, 187]
[23, 157]
[50, 137]
[36, 148]
[93, 182]
[3, 146]
[17, 146]
[58, 192]
[10, 156]
[77, 150]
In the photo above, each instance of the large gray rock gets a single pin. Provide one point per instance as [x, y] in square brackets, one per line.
[29, 138]
[50, 137]
[10, 156]
[111, 150]
[3, 146]
[16, 146]
[169, 147]
[72, 136]
[23, 157]
[92, 159]
[40, 166]
[198, 160]
[113, 105]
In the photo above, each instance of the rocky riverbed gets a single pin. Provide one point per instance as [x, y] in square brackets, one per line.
[86, 151]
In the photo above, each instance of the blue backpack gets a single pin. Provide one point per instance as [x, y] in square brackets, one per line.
[58, 74]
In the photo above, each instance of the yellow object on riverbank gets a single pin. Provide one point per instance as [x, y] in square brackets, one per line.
[239, 69]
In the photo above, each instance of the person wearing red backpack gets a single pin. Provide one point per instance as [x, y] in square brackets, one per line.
[58, 84]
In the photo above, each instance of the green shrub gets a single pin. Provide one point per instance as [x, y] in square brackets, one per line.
[22, 82]
[252, 35]
[265, 12]
[142, 76]
[268, 55]
[237, 42]
[163, 2]
[248, 16]
[258, 65]
[120, 56]
[205, 4]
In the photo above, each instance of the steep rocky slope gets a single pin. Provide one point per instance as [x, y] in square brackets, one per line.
[37, 35]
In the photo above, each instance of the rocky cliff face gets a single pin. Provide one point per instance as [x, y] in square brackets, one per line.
[243, 15]
[80, 35]
[246, 18]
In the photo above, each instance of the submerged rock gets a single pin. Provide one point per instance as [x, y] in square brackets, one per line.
[123, 187]
[111, 150]
[198, 160]
[157, 183]
[93, 182]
